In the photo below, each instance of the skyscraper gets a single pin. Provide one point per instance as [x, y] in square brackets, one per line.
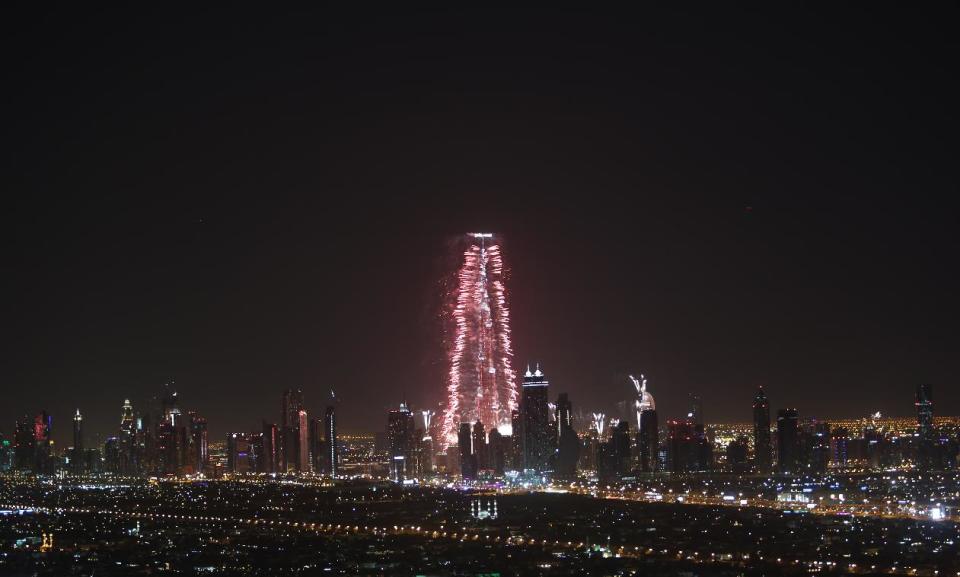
[269, 461]
[481, 383]
[77, 456]
[303, 442]
[468, 459]
[927, 449]
[290, 429]
[199, 445]
[535, 415]
[788, 440]
[761, 432]
[648, 430]
[331, 445]
[400, 438]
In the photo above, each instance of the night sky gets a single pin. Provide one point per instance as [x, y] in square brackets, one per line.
[248, 201]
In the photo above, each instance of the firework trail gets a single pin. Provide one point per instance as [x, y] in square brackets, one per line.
[481, 383]
[598, 423]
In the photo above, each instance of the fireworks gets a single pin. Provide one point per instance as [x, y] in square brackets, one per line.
[481, 384]
[598, 423]
[644, 400]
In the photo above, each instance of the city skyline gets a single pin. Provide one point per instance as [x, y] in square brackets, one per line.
[776, 225]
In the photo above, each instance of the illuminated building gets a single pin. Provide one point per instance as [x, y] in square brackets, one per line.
[241, 455]
[401, 441]
[331, 445]
[535, 417]
[426, 445]
[839, 446]
[42, 435]
[270, 459]
[199, 449]
[481, 383]
[762, 450]
[303, 443]
[788, 440]
[290, 429]
[927, 449]
[77, 456]
[648, 430]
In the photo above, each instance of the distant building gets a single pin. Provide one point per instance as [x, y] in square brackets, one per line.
[535, 419]
[788, 441]
[77, 453]
[289, 448]
[737, 455]
[468, 459]
[331, 460]
[762, 449]
[400, 438]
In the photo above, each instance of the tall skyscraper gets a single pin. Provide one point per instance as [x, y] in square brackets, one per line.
[696, 409]
[400, 438]
[290, 430]
[199, 444]
[788, 440]
[761, 432]
[303, 442]
[535, 415]
[927, 448]
[468, 459]
[496, 452]
[76, 458]
[648, 429]
[481, 383]
[480, 446]
[269, 461]
[331, 444]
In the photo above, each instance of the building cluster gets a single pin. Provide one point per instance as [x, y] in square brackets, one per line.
[299, 444]
[545, 443]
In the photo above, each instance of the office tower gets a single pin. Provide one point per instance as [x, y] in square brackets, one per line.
[303, 442]
[924, 404]
[516, 441]
[427, 451]
[762, 450]
[43, 439]
[927, 446]
[290, 429]
[480, 447]
[788, 440]
[737, 455]
[613, 456]
[839, 446]
[77, 455]
[315, 439]
[648, 430]
[199, 446]
[331, 444]
[400, 438]
[481, 383]
[169, 404]
[684, 448]
[127, 458]
[25, 447]
[568, 443]
[696, 409]
[468, 459]
[241, 455]
[496, 451]
[269, 460]
[535, 416]
[818, 440]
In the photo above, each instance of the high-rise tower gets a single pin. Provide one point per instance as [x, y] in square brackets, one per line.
[77, 458]
[534, 412]
[761, 432]
[481, 383]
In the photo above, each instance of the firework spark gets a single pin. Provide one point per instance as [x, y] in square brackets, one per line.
[481, 383]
